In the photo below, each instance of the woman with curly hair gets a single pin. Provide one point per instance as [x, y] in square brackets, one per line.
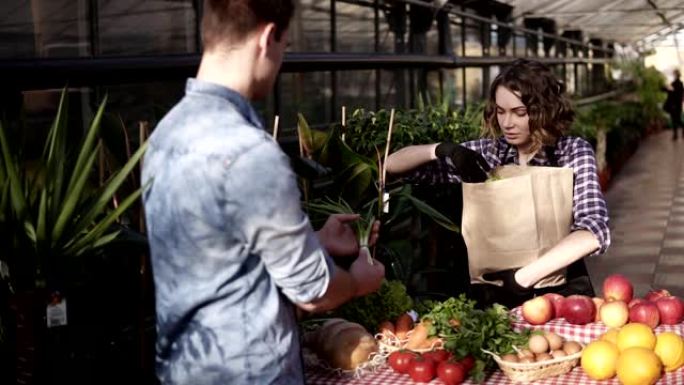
[525, 120]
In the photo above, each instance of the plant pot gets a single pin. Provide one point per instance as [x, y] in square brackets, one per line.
[26, 329]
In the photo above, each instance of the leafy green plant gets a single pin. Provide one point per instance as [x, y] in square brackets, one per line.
[467, 331]
[366, 130]
[388, 303]
[56, 210]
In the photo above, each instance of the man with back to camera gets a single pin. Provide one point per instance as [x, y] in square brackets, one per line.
[231, 249]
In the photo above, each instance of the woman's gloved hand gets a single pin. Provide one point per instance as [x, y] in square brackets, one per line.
[509, 282]
[470, 165]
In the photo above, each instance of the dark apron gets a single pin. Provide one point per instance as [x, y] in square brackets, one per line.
[577, 277]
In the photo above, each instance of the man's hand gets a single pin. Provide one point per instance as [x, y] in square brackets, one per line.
[368, 277]
[470, 165]
[338, 237]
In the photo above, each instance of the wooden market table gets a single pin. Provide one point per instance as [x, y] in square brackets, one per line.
[584, 334]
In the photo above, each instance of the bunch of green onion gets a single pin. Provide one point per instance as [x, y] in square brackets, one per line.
[363, 227]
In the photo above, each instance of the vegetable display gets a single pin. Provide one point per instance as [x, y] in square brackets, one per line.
[388, 303]
[466, 330]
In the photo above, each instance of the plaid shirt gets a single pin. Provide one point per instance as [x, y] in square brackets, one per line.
[588, 207]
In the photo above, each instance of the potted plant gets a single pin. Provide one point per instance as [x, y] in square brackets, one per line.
[53, 211]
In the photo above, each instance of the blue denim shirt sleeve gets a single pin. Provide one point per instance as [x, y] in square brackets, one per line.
[275, 227]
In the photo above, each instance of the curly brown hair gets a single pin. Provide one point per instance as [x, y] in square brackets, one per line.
[233, 20]
[548, 107]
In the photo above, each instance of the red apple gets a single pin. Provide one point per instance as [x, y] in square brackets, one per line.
[670, 309]
[538, 310]
[557, 301]
[656, 294]
[598, 301]
[578, 309]
[614, 314]
[618, 287]
[645, 312]
[636, 301]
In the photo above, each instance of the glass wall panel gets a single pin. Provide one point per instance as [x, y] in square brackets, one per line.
[144, 101]
[582, 80]
[394, 89]
[570, 78]
[453, 86]
[433, 40]
[44, 28]
[385, 34]
[520, 46]
[355, 27]
[310, 27]
[309, 93]
[493, 72]
[473, 41]
[456, 36]
[473, 84]
[355, 89]
[133, 27]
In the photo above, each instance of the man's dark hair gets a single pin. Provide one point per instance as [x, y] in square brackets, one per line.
[549, 108]
[233, 20]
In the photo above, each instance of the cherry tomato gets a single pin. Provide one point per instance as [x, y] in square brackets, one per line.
[400, 360]
[451, 372]
[468, 363]
[437, 355]
[422, 370]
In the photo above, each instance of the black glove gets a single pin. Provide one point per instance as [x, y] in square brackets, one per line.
[470, 166]
[509, 282]
[309, 169]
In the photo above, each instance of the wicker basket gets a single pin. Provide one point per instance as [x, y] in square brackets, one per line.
[535, 371]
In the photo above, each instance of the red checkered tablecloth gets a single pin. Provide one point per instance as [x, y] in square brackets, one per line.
[584, 334]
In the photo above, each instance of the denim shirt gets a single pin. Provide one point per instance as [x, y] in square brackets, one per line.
[231, 248]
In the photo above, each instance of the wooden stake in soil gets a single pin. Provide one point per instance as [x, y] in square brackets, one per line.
[344, 122]
[275, 128]
[387, 148]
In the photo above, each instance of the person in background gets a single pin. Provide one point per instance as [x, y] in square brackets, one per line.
[673, 103]
[526, 117]
[233, 254]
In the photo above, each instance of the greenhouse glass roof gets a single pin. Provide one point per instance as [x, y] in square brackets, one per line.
[635, 22]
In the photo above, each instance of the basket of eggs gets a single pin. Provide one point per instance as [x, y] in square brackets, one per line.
[547, 355]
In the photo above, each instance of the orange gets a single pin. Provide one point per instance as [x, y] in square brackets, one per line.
[599, 360]
[636, 335]
[670, 349]
[610, 336]
[638, 366]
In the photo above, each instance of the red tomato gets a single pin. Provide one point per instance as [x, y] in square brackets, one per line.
[400, 360]
[422, 370]
[468, 363]
[451, 372]
[437, 355]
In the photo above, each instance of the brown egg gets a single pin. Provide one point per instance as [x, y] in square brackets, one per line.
[510, 358]
[543, 357]
[538, 344]
[526, 360]
[571, 347]
[555, 341]
[525, 353]
[558, 353]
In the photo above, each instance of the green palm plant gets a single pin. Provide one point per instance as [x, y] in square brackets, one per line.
[52, 207]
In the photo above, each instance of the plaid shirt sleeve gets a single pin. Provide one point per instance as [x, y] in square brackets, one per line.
[439, 172]
[589, 208]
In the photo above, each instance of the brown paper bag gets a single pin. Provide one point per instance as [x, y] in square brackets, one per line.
[510, 222]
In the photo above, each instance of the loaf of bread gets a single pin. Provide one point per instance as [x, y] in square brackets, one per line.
[343, 344]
